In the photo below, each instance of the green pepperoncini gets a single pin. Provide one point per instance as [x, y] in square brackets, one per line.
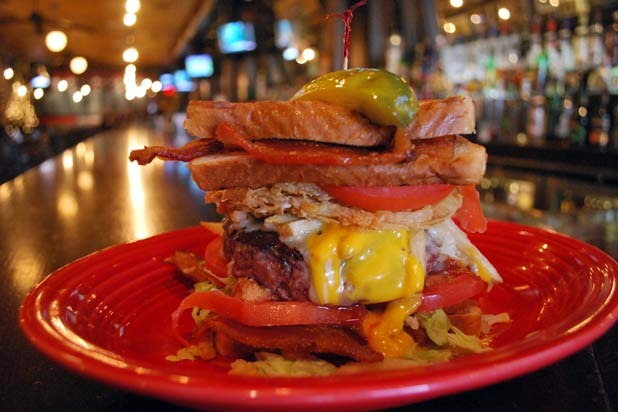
[381, 96]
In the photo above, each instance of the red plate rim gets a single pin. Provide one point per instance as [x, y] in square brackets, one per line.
[384, 389]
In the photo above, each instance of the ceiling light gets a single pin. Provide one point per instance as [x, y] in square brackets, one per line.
[504, 13]
[476, 18]
[38, 93]
[78, 65]
[85, 90]
[63, 85]
[132, 6]
[56, 41]
[22, 91]
[156, 86]
[9, 73]
[130, 55]
[77, 96]
[129, 19]
[395, 39]
[309, 54]
[457, 3]
[449, 27]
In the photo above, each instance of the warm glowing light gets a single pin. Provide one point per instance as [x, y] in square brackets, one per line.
[129, 19]
[67, 160]
[38, 93]
[63, 85]
[132, 6]
[449, 27]
[457, 3]
[554, 3]
[130, 55]
[395, 39]
[85, 90]
[504, 13]
[77, 96]
[301, 60]
[476, 18]
[67, 204]
[56, 41]
[9, 73]
[309, 54]
[130, 68]
[140, 92]
[22, 90]
[78, 65]
[156, 86]
[146, 83]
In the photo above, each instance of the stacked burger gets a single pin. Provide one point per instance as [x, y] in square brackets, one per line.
[345, 212]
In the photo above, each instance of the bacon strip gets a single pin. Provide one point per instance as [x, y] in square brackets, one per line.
[186, 153]
[303, 152]
[307, 340]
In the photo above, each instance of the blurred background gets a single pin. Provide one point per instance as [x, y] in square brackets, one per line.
[542, 73]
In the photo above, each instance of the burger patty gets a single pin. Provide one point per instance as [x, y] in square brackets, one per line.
[261, 256]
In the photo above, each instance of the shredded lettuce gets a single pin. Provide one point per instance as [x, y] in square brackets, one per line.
[488, 320]
[270, 364]
[442, 333]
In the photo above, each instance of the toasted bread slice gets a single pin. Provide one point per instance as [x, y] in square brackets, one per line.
[325, 122]
[449, 159]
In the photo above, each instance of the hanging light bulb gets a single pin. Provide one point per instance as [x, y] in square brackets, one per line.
[130, 55]
[129, 19]
[9, 73]
[56, 41]
[132, 6]
[78, 65]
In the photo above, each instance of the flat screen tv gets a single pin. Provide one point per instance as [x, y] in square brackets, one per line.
[182, 82]
[236, 37]
[199, 66]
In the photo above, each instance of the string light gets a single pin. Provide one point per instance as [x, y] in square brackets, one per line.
[78, 65]
[56, 41]
[9, 73]
[130, 55]
[129, 19]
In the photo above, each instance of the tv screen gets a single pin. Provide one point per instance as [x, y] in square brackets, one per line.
[284, 33]
[182, 81]
[199, 65]
[236, 37]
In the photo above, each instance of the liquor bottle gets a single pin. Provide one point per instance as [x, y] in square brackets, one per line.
[581, 123]
[562, 130]
[567, 55]
[600, 122]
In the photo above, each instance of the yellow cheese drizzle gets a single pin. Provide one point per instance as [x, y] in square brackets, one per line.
[357, 265]
[384, 332]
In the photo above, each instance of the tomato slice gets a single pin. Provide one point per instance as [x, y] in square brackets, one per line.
[214, 260]
[269, 313]
[394, 198]
[450, 288]
[470, 215]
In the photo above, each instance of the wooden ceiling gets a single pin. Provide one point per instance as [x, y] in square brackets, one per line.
[96, 31]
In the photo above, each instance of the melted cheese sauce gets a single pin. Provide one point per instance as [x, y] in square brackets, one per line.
[384, 331]
[358, 265]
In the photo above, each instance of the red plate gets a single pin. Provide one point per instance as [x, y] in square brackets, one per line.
[107, 316]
